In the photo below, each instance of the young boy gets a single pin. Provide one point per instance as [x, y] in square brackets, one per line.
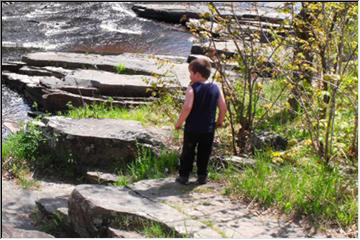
[199, 110]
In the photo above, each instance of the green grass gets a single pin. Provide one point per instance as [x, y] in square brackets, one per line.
[156, 231]
[149, 166]
[310, 190]
[20, 153]
[147, 115]
[27, 151]
[120, 68]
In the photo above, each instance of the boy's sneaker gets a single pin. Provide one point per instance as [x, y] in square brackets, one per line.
[202, 180]
[182, 180]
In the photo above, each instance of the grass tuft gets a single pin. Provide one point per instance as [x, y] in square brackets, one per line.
[311, 190]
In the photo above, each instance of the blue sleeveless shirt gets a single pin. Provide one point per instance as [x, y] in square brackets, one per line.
[202, 116]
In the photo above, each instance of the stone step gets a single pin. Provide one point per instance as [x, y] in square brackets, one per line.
[103, 144]
[98, 177]
[94, 208]
[56, 208]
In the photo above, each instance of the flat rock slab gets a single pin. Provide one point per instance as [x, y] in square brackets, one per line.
[97, 177]
[102, 143]
[107, 83]
[95, 208]
[179, 13]
[131, 63]
[12, 66]
[206, 204]
[18, 203]
[53, 94]
[228, 48]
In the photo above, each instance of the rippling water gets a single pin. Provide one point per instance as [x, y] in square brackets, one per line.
[13, 109]
[104, 27]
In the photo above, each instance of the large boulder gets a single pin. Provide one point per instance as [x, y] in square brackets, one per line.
[93, 209]
[101, 143]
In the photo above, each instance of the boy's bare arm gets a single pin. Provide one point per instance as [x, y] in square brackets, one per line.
[186, 109]
[222, 110]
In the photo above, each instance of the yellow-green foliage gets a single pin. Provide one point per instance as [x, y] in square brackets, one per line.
[311, 189]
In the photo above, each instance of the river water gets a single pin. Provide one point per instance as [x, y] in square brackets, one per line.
[91, 27]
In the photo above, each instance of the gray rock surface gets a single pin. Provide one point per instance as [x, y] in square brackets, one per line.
[180, 13]
[269, 139]
[248, 27]
[131, 63]
[97, 177]
[56, 209]
[12, 66]
[9, 231]
[34, 71]
[229, 218]
[54, 206]
[102, 143]
[115, 233]
[12, 126]
[240, 162]
[94, 208]
[109, 84]
[52, 94]
[52, 79]
[18, 203]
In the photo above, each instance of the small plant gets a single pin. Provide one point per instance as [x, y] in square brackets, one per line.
[20, 152]
[55, 224]
[147, 165]
[122, 181]
[156, 231]
[120, 68]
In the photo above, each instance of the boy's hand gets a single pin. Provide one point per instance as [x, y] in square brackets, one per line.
[178, 126]
[219, 124]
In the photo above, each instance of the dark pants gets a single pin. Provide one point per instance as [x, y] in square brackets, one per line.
[203, 142]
